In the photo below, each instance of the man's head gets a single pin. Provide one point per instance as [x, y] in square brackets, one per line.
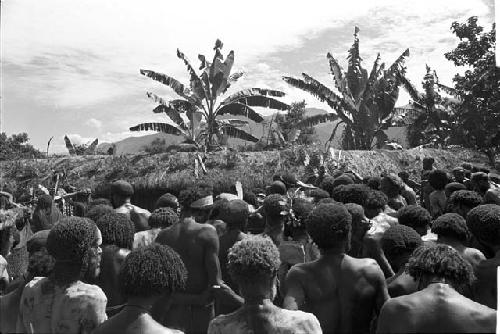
[318, 194]
[75, 243]
[360, 224]
[277, 187]
[117, 229]
[301, 209]
[167, 201]
[416, 217]
[329, 226]
[328, 184]
[404, 175]
[163, 217]
[350, 193]
[151, 271]
[451, 226]
[398, 243]
[459, 174]
[427, 163]
[391, 185]
[96, 211]
[121, 192]
[374, 182]
[484, 223]
[254, 262]
[235, 214]
[196, 202]
[375, 203]
[40, 262]
[480, 182]
[462, 201]
[450, 188]
[275, 209]
[438, 179]
[439, 263]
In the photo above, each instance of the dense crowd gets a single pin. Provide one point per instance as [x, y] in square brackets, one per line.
[340, 254]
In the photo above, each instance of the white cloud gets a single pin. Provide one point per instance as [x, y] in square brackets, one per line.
[94, 123]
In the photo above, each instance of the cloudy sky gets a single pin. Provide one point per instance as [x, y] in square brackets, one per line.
[72, 67]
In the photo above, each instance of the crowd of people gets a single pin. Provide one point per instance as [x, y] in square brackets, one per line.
[341, 254]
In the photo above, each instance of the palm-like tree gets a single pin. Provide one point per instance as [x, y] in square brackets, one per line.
[200, 103]
[430, 115]
[364, 102]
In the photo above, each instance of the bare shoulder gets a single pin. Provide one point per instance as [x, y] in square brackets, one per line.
[475, 254]
[299, 271]
[397, 306]
[86, 292]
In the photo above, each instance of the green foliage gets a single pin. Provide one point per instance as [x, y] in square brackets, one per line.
[204, 126]
[366, 101]
[17, 147]
[289, 125]
[478, 87]
[81, 149]
[431, 119]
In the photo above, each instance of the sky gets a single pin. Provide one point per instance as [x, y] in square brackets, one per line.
[72, 67]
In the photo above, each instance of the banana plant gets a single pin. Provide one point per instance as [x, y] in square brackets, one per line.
[200, 103]
[363, 102]
[430, 116]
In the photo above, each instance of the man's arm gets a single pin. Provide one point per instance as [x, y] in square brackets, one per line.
[295, 294]
[377, 280]
[211, 250]
[372, 249]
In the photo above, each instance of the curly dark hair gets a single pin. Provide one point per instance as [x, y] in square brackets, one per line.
[375, 199]
[351, 193]
[277, 187]
[451, 225]
[414, 216]
[438, 179]
[274, 206]
[163, 217]
[167, 201]
[41, 263]
[116, 229]
[328, 200]
[151, 271]
[328, 184]
[484, 223]
[318, 194]
[329, 224]
[440, 261]
[400, 239]
[235, 214]
[466, 198]
[452, 187]
[99, 201]
[71, 239]
[357, 213]
[99, 210]
[194, 193]
[374, 182]
[391, 185]
[252, 259]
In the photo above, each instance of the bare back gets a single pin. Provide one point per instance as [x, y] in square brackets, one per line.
[344, 293]
[436, 309]
[485, 287]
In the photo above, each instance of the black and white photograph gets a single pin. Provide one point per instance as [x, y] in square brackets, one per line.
[248, 167]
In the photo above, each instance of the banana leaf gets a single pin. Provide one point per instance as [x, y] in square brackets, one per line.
[220, 84]
[92, 147]
[160, 127]
[238, 123]
[264, 102]
[338, 75]
[232, 79]
[316, 119]
[173, 114]
[252, 92]
[195, 81]
[411, 89]
[398, 65]
[234, 132]
[179, 88]
[355, 73]
[240, 109]
[69, 146]
[448, 90]
[321, 94]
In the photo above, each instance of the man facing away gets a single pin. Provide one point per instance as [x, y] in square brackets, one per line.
[121, 194]
[343, 292]
[484, 223]
[437, 307]
[198, 245]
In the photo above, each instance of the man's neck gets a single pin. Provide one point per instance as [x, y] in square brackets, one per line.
[451, 242]
[333, 252]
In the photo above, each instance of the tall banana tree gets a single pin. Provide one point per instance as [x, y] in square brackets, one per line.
[200, 102]
[430, 116]
[363, 102]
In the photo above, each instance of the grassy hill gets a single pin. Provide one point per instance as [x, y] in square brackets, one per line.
[153, 175]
